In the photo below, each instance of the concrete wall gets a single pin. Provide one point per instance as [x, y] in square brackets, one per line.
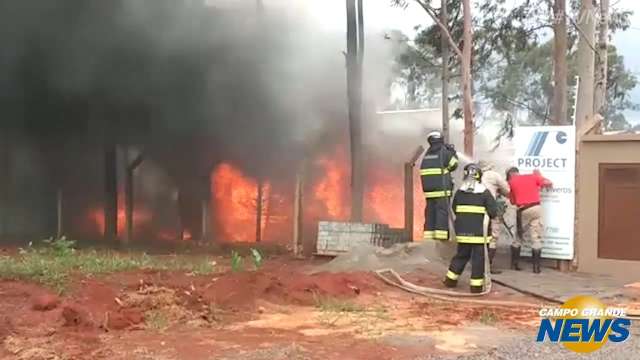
[596, 149]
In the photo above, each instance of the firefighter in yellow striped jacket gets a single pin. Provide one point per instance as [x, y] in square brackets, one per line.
[471, 203]
[435, 172]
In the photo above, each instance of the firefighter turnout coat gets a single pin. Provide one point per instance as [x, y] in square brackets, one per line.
[470, 205]
[435, 171]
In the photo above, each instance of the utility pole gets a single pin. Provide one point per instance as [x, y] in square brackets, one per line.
[586, 56]
[600, 97]
[354, 98]
[444, 19]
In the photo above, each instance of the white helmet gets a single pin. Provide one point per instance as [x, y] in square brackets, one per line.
[434, 136]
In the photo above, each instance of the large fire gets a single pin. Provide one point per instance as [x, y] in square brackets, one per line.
[331, 190]
[326, 197]
[140, 216]
[236, 196]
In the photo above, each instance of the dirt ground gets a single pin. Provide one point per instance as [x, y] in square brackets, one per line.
[277, 312]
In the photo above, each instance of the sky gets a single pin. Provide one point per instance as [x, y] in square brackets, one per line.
[379, 15]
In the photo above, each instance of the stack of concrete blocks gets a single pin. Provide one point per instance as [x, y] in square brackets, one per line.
[335, 238]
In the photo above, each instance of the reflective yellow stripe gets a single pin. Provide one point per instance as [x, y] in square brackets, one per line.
[451, 275]
[437, 194]
[476, 282]
[473, 209]
[452, 162]
[428, 235]
[473, 239]
[441, 234]
[433, 171]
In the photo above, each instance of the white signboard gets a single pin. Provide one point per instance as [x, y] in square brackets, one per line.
[551, 149]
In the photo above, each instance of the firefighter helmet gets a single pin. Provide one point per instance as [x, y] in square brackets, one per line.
[472, 171]
[434, 136]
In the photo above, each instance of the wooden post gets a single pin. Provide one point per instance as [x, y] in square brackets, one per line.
[59, 231]
[205, 221]
[298, 215]
[408, 192]
[110, 189]
[408, 200]
[129, 195]
[259, 212]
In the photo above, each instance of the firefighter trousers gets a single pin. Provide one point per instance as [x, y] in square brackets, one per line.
[436, 219]
[466, 252]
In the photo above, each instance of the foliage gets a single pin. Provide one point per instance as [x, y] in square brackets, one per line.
[512, 65]
[55, 263]
[257, 258]
[236, 261]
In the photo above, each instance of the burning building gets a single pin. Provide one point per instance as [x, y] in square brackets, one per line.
[174, 121]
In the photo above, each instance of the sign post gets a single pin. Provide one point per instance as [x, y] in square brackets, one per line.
[551, 150]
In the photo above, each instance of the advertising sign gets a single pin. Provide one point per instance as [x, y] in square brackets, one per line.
[551, 150]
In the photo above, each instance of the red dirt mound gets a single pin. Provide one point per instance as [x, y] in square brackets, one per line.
[284, 286]
[45, 302]
[76, 316]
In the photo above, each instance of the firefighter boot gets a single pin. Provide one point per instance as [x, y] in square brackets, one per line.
[536, 260]
[475, 289]
[515, 257]
[450, 283]
[492, 254]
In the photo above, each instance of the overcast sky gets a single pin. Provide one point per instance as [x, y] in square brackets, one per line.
[379, 16]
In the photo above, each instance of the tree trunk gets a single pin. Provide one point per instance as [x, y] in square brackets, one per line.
[467, 97]
[586, 57]
[354, 92]
[259, 212]
[600, 97]
[444, 19]
[111, 190]
[559, 63]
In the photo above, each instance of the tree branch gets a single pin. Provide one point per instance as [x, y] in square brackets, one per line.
[432, 13]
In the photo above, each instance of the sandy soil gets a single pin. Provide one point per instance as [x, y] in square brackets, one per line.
[278, 312]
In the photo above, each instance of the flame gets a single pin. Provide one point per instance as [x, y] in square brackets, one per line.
[332, 187]
[236, 202]
[140, 217]
[384, 203]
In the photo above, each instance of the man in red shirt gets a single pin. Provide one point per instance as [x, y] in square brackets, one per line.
[525, 194]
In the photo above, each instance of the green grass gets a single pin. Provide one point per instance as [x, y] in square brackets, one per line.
[55, 263]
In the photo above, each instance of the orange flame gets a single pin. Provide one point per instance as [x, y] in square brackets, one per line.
[140, 217]
[332, 188]
[236, 202]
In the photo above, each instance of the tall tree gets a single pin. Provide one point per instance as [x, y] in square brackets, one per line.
[444, 19]
[467, 100]
[560, 69]
[600, 97]
[464, 56]
[586, 57]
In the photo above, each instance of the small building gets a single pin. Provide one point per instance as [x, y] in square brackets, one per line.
[608, 205]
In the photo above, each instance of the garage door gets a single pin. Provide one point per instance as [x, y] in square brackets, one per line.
[619, 212]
